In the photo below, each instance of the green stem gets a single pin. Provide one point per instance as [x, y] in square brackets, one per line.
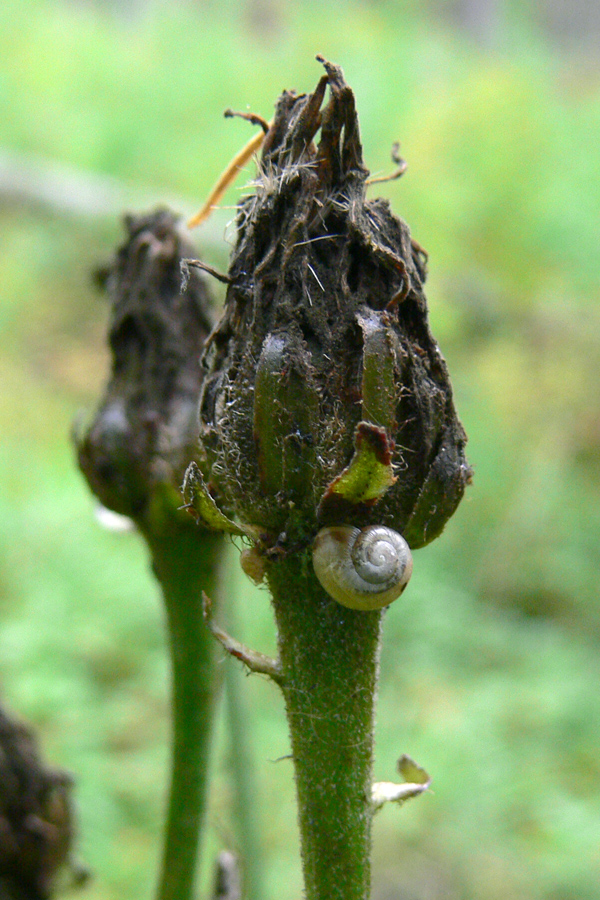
[243, 772]
[329, 657]
[185, 561]
[244, 781]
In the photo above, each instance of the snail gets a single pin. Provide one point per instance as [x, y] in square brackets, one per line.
[364, 568]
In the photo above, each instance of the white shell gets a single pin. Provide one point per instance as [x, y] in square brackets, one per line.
[362, 568]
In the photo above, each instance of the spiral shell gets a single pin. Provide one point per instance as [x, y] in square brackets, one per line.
[362, 568]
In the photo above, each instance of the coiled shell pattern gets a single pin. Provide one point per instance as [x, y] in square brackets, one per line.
[364, 568]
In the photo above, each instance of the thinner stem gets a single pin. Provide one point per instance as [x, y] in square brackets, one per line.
[185, 561]
[245, 783]
[242, 760]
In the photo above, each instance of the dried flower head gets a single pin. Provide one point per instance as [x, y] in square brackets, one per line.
[36, 817]
[326, 399]
[145, 431]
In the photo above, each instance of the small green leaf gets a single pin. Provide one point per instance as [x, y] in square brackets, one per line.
[417, 781]
[410, 771]
[369, 474]
[199, 501]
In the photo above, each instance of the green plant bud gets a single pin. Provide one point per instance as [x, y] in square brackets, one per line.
[144, 433]
[327, 400]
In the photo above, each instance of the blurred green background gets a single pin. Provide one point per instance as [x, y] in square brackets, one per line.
[490, 668]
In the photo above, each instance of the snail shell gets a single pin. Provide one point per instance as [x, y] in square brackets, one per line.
[362, 568]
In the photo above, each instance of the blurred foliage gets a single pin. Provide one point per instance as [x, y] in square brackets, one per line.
[490, 663]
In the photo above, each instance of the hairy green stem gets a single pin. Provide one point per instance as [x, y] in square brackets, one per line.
[185, 561]
[329, 658]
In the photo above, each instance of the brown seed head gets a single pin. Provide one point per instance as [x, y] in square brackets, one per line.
[327, 400]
